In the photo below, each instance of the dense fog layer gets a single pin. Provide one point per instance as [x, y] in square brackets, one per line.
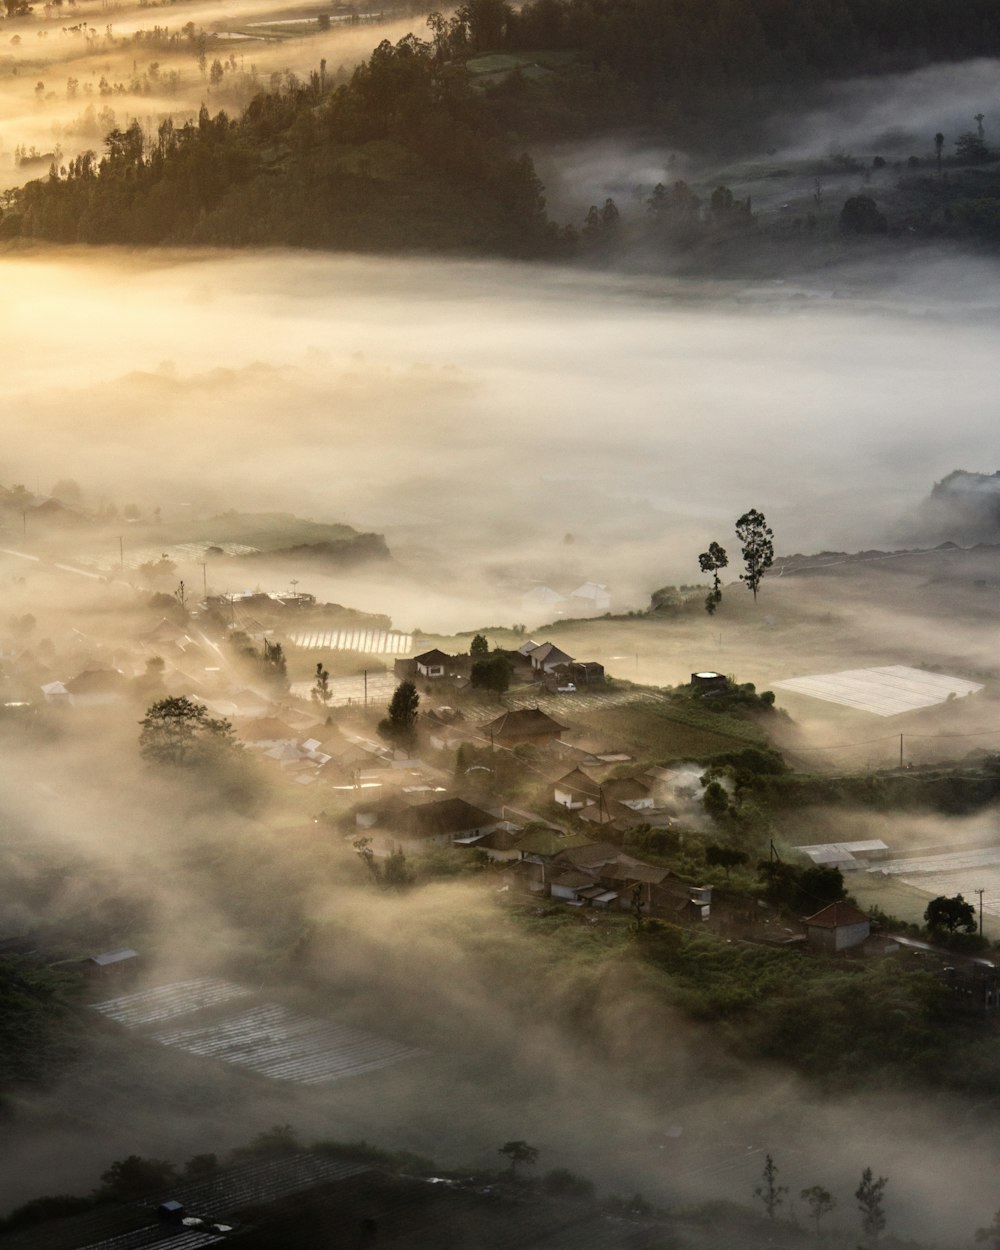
[478, 414]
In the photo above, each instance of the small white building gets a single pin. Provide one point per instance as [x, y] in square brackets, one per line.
[593, 597]
[432, 664]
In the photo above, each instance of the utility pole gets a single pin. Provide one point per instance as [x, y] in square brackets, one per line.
[980, 893]
[204, 577]
[366, 687]
[901, 750]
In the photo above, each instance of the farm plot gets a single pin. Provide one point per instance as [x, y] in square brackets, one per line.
[884, 691]
[163, 1002]
[368, 641]
[287, 1045]
[256, 1184]
[582, 700]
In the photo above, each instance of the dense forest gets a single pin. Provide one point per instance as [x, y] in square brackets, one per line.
[422, 148]
[399, 156]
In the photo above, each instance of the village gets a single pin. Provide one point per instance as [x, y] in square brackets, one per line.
[319, 780]
[497, 762]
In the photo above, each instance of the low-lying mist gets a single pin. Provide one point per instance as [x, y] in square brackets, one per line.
[589, 1062]
[497, 421]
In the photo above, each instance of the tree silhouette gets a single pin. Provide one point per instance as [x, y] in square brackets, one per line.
[321, 692]
[756, 540]
[401, 723]
[870, 1198]
[951, 914]
[713, 561]
[518, 1152]
[181, 733]
[820, 1202]
[771, 1194]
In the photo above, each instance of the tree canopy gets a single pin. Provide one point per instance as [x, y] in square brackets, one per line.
[400, 725]
[178, 732]
[950, 914]
[756, 542]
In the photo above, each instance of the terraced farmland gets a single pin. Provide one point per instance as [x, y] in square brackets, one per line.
[208, 1017]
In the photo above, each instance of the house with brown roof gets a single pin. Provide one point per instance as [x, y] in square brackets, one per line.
[96, 687]
[547, 657]
[576, 790]
[838, 927]
[629, 791]
[441, 822]
[528, 724]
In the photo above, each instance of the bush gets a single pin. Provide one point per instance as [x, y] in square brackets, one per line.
[562, 1183]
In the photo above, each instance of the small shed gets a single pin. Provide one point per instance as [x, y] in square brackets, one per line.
[838, 927]
[170, 1212]
[112, 963]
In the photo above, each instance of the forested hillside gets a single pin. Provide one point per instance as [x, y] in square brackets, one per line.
[402, 156]
[423, 147]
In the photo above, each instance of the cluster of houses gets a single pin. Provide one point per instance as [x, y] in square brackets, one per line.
[540, 662]
[540, 859]
[589, 599]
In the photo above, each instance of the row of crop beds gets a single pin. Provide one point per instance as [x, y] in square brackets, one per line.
[257, 1184]
[163, 1002]
[267, 1038]
[287, 1045]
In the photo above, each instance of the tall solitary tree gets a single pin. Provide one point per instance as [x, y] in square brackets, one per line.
[950, 914]
[871, 1202]
[479, 648]
[938, 149]
[756, 542]
[401, 723]
[321, 692]
[771, 1194]
[518, 1152]
[713, 561]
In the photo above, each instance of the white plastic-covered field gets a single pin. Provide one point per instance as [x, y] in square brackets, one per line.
[266, 1038]
[287, 1045]
[369, 641]
[882, 691]
[163, 1002]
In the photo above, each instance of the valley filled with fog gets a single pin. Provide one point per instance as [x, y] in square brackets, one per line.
[503, 425]
[478, 414]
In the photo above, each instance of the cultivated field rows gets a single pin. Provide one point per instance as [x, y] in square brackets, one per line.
[273, 1040]
[369, 641]
[162, 1002]
[287, 1045]
[140, 1237]
[253, 1184]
